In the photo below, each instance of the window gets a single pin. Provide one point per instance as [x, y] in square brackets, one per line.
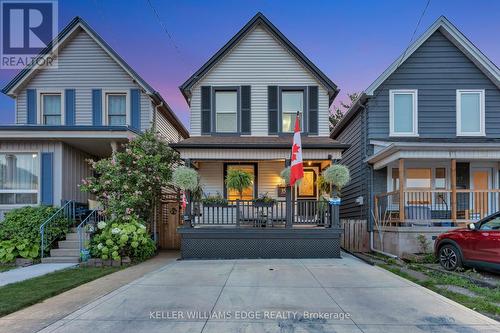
[493, 224]
[418, 178]
[403, 112]
[291, 103]
[470, 112]
[19, 178]
[51, 109]
[248, 193]
[116, 106]
[226, 111]
[440, 184]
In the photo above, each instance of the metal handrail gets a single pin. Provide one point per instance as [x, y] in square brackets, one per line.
[94, 217]
[67, 211]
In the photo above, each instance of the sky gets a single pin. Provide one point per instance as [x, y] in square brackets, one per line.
[351, 41]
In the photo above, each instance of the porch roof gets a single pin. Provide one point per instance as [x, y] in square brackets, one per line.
[261, 142]
[392, 151]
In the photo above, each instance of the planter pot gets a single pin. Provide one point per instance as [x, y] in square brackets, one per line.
[261, 204]
[215, 205]
[24, 262]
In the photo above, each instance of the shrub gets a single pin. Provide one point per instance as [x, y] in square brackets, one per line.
[116, 239]
[185, 178]
[20, 232]
[214, 200]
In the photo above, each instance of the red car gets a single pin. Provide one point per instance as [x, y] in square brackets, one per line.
[477, 246]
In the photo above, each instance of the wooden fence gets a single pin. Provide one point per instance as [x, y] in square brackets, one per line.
[355, 236]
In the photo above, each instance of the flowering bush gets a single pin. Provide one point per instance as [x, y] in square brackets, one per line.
[128, 183]
[118, 238]
[185, 178]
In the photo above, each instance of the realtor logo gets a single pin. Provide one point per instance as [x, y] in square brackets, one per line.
[27, 28]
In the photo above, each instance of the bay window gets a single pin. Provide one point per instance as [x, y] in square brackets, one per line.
[226, 111]
[116, 109]
[51, 109]
[19, 178]
[291, 103]
[403, 113]
[470, 113]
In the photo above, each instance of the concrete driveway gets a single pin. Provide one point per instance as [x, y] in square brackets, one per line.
[308, 295]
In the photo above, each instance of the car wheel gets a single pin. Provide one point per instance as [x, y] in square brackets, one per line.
[449, 257]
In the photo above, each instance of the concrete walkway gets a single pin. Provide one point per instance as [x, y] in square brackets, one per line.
[310, 295]
[41, 315]
[28, 272]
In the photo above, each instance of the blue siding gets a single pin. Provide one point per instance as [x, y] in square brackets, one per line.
[69, 107]
[47, 181]
[31, 105]
[96, 107]
[135, 108]
[437, 69]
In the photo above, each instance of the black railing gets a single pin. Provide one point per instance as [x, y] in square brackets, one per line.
[249, 213]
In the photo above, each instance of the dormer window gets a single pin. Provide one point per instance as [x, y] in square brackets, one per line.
[226, 110]
[51, 109]
[403, 112]
[470, 113]
[116, 109]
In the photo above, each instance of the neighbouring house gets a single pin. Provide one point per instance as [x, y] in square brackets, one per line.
[243, 103]
[82, 108]
[424, 142]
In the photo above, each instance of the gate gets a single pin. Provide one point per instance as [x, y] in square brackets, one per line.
[170, 217]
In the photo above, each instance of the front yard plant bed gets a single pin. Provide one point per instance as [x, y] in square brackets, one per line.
[16, 296]
[465, 287]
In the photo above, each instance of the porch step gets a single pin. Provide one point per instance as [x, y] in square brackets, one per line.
[69, 244]
[65, 252]
[55, 260]
[73, 236]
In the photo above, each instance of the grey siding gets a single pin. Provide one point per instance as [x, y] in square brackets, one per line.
[75, 168]
[436, 69]
[165, 129]
[353, 159]
[83, 65]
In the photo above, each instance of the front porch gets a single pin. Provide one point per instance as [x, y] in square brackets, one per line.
[294, 223]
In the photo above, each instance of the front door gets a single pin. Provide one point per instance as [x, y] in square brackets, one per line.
[481, 181]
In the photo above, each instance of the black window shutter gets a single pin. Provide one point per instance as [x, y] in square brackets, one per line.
[206, 109]
[272, 107]
[246, 117]
[313, 109]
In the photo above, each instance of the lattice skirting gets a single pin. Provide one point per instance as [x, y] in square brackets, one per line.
[200, 244]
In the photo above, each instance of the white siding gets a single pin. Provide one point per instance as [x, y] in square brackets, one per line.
[258, 60]
[83, 65]
[269, 177]
[211, 176]
[75, 168]
[166, 129]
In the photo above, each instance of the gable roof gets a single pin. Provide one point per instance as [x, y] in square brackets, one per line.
[65, 35]
[458, 39]
[259, 18]
[455, 36]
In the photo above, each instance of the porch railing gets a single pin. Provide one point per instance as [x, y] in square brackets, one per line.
[434, 207]
[248, 213]
[67, 212]
[87, 226]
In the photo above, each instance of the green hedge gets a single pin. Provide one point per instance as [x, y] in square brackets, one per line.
[20, 232]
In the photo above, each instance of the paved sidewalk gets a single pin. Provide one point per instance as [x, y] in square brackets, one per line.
[25, 273]
[308, 295]
[39, 316]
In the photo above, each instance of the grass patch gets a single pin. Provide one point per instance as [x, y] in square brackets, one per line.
[486, 301]
[19, 295]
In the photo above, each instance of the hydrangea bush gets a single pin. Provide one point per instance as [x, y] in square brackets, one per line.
[185, 178]
[117, 239]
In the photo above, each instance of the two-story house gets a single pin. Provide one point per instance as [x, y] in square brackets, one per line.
[425, 142]
[82, 108]
[243, 103]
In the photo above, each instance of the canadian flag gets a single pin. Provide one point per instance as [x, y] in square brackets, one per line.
[296, 168]
[184, 201]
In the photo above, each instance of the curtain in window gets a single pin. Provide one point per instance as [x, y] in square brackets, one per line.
[19, 175]
[226, 106]
[117, 110]
[52, 109]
